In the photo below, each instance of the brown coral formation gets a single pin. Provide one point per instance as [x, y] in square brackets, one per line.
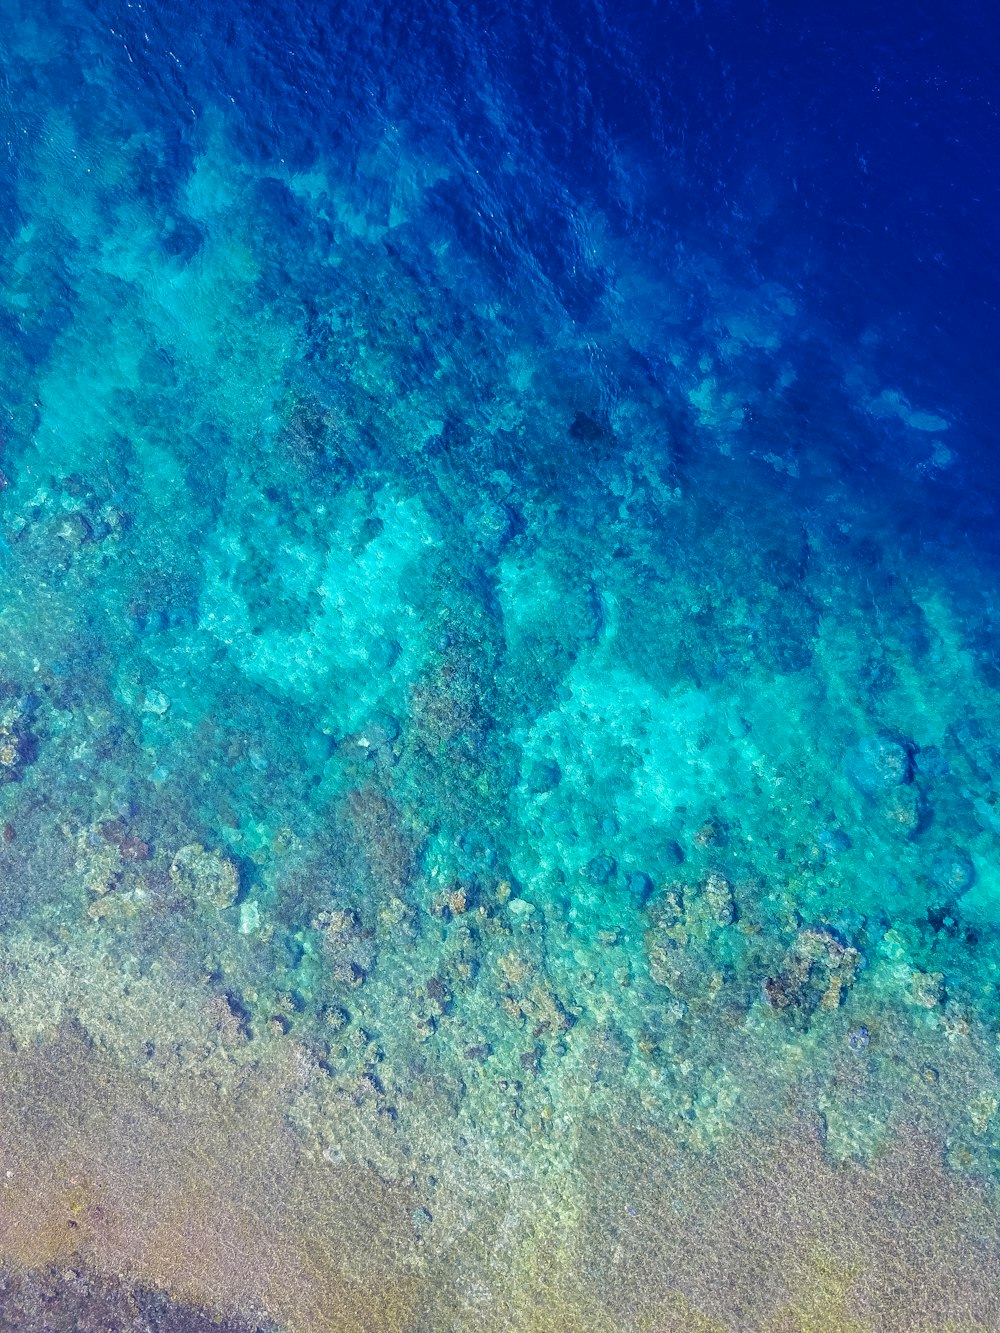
[385, 844]
[206, 878]
[682, 918]
[817, 972]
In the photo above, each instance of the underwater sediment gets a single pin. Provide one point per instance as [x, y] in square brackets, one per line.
[499, 807]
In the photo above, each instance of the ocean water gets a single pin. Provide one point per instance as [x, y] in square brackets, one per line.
[499, 667]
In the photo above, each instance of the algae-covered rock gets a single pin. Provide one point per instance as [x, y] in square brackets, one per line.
[337, 922]
[684, 923]
[206, 877]
[903, 810]
[17, 744]
[717, 895]
[926, 989]
[13, 753]
[686, 912]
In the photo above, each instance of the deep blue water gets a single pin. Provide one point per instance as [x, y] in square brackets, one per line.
[500, 660]
[849, 154]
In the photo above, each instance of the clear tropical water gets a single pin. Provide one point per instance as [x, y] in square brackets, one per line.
[500, 730]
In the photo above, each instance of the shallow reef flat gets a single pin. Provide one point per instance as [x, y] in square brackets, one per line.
[499, 807]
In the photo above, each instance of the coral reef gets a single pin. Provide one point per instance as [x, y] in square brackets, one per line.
[498, 820]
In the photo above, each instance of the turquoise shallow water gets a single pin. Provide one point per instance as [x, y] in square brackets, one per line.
[472, 718]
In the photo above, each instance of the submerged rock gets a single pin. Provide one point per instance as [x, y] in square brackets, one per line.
[69, 1296]
[930, 762]
[718, 898]
[491, 524]
[640, 888]
[543, 777]
[671, 853]
[378, 733]
[601, 869]
[879, 763]
[349, 973]
[927, 989]
[16, 752]
[816, 973]
[952, 871]
[18, 748]
[337, 922]
[206, 877]
[833, 841]
[74, 529]
[904, 810]
[713, 833]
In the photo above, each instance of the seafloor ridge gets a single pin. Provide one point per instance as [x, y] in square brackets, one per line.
[499, 814]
